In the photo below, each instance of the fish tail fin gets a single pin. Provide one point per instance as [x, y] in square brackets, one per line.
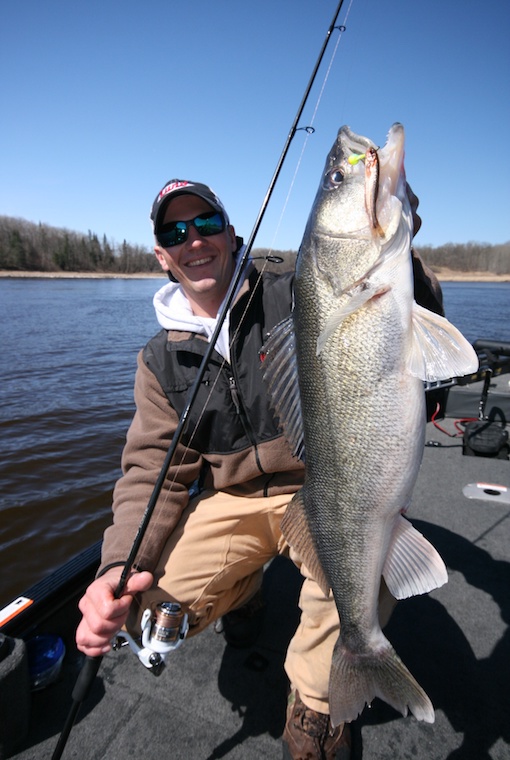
[356, 679]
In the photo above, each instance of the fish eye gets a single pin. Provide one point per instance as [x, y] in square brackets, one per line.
[335, 177]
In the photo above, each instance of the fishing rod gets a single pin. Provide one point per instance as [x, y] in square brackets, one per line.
[92, 664]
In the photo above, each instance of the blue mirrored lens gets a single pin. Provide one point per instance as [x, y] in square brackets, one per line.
[174, 233]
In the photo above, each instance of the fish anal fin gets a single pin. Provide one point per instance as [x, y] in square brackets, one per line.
[297, 533]
[438, 350]
[412, 565]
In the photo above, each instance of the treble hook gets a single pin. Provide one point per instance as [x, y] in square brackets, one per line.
[309, 130]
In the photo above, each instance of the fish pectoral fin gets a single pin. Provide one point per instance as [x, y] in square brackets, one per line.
[279, 366]
[363, 293]
[438, 350]
[412, 566]
[297, 532]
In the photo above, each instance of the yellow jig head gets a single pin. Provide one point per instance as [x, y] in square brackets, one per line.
[356, 158]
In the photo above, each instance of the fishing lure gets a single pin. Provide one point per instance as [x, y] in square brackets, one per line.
[356, 158]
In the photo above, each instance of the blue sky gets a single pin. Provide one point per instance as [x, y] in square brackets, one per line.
[104, 101]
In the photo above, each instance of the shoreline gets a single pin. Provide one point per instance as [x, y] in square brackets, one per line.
[8, 274]
[450, 275]
[443, 275]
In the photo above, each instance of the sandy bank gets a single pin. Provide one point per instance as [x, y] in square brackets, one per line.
[443, 275]
[84, 275]
[449, 275]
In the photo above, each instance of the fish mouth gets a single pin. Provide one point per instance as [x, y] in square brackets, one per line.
[391, 164]
[385, 185]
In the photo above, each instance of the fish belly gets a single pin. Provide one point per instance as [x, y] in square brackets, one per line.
[364, 429]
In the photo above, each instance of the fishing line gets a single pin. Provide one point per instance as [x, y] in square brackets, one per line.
[232, 290]
[309, 131]
[341, 29]
[310, 128]
[92, 664]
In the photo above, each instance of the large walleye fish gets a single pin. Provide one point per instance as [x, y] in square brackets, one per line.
[361, 348]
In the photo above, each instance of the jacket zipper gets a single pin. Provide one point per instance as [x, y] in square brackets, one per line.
[234, 392]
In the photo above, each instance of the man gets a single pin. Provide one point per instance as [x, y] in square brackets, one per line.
[207, 552]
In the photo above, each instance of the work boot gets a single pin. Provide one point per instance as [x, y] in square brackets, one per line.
[309, 735]
[241, 627]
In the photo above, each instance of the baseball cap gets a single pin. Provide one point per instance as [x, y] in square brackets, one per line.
[175, 187]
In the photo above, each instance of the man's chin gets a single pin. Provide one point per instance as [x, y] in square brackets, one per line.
[201, 284]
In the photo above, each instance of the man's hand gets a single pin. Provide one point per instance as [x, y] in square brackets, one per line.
[103, 615]
[415, 202]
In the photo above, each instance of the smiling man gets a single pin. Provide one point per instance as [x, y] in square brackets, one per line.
[197, 252]
[217, 522]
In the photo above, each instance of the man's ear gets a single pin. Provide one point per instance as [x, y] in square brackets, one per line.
[164, 263]
[233, 239]
[160, 257]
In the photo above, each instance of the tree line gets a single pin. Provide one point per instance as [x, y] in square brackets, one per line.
[468, 257]
[26, 246]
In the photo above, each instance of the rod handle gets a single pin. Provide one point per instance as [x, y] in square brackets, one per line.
[81, 689]
[86, 678]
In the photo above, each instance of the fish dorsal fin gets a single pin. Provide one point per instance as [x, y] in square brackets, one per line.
[412, 566]
[297, 533]
[281, 375]
[438, 350]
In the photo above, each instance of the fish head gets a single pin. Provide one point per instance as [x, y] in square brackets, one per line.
[339, 207]
[340, 227]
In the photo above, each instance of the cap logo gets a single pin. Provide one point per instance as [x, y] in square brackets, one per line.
[172, 186]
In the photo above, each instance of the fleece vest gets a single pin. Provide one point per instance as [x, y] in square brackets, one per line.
[231, 411]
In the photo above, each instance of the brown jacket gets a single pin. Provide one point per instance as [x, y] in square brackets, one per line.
[236, 444]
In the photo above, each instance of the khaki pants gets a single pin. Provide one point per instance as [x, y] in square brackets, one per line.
[213, 563]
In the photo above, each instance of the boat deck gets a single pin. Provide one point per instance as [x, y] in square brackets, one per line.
[215, 702]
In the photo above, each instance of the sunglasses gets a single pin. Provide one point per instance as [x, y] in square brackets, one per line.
[175, 233]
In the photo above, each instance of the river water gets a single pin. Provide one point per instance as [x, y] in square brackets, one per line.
[67, 364]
